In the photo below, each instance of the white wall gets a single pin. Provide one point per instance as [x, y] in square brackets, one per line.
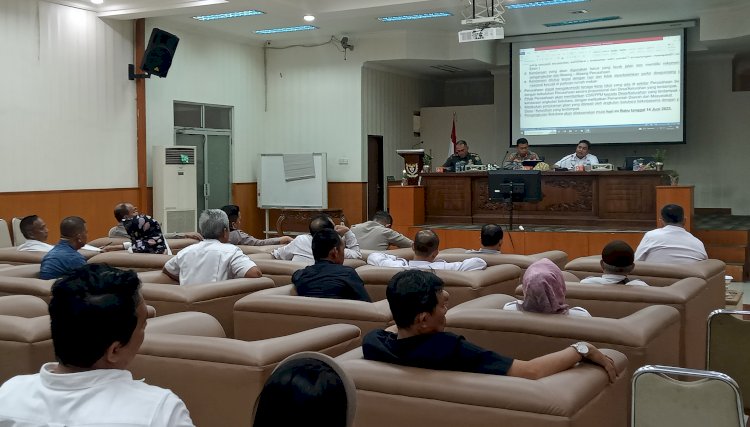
[389, 101]
[68, 109]
[211, 71]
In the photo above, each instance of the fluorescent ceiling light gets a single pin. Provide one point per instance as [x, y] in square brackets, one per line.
[228, 15]
[581, 21]
[308, 18]
[287, 29]
[97, 1]
[541, 3]
[413, 17]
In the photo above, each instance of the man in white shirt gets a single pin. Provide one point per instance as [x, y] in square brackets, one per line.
[34, 229]
[300, 250]
[671, 244]
[212, 259]
[98, 321]
[617, 262]
[425, 247]
[377, 234]
[491, 238]
[580, 158]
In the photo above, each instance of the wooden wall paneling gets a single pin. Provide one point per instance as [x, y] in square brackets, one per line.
[351, 197]
[597, 241]
[514, 243]
[406, 204]
[572, 243]
[682, 195]
[94, 206]
[245, 195]
[467, 239]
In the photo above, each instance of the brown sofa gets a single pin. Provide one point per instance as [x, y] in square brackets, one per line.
[560, 258]
[405, 253]
[710, 270]
[277, 270]
[218, 378]
[216, 299]
[21, 270]
[25, 337]
[462, 285]
[686, 295]
[280, 311]
[13, 256]
[401, 396]
[649, 336]
[174, 244]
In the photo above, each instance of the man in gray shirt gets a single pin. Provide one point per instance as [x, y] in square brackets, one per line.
[239, 237]
[377, 234]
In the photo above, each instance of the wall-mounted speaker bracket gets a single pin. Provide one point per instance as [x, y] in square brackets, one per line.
[132, 75]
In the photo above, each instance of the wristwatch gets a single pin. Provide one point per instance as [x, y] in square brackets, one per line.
[581, 348]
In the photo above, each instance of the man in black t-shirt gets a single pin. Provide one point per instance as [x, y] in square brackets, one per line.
[328, 277]
[418, 303]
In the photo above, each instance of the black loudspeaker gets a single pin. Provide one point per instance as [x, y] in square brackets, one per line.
[159, 53]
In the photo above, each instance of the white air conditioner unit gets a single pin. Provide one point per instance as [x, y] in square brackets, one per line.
[175, 188]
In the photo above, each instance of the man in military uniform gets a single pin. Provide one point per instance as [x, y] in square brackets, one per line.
[462, 155]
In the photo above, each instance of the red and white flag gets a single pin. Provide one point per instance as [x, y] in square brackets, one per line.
[452, 148]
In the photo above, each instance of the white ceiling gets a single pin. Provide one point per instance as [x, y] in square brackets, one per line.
[353, 17]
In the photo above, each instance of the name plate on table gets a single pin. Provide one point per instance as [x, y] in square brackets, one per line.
[468, 168]
[602, 167]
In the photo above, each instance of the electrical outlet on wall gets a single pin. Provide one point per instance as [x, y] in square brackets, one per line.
[343, 161]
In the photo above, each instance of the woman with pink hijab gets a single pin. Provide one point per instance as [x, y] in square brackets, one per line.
[544, 291]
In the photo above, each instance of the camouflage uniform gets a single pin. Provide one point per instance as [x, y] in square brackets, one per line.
[470, 159]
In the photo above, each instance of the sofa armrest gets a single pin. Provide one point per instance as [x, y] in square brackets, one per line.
[203, 292]
[480, 278]
[316, 307]
[25, 330]
[676, 293]
[192, 323]
[26, 286]
[123, 259]
[27, 270]
[560, 258]
[255, 353]
[276, 266]
[23, 306]
[494, 301]
[155, 276]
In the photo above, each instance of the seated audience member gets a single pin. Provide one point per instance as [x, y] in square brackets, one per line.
[581, 157]
[213, 259]
[34, 229]
[617, 262]
[64, 256]
[239, 237]
[146, 236]
[461, 156]
[419, 303]
[98, 320]
[377, 235]
[544, 291]
[491, 238]
[425, 247]
[328, 277]
[125, 211]
[307, 389]
[300, 250]
[671, 244]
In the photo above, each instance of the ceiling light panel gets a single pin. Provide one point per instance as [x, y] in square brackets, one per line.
[542, 3]
[228, 15]
[287, 29]
[581, 21]
[415, 16]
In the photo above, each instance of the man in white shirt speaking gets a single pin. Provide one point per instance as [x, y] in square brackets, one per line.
[98, 322]
[213, 259]
[300, 250]
[671, 244]
[581, 158]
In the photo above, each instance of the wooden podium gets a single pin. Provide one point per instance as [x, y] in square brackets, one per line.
[679, 195]
[413, 161]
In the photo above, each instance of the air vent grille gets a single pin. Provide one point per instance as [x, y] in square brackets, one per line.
[179, 156]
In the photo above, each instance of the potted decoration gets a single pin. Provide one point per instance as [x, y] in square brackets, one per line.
[674, 177]
[659, 158]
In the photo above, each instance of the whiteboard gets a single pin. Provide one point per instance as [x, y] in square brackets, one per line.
[274, 191]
